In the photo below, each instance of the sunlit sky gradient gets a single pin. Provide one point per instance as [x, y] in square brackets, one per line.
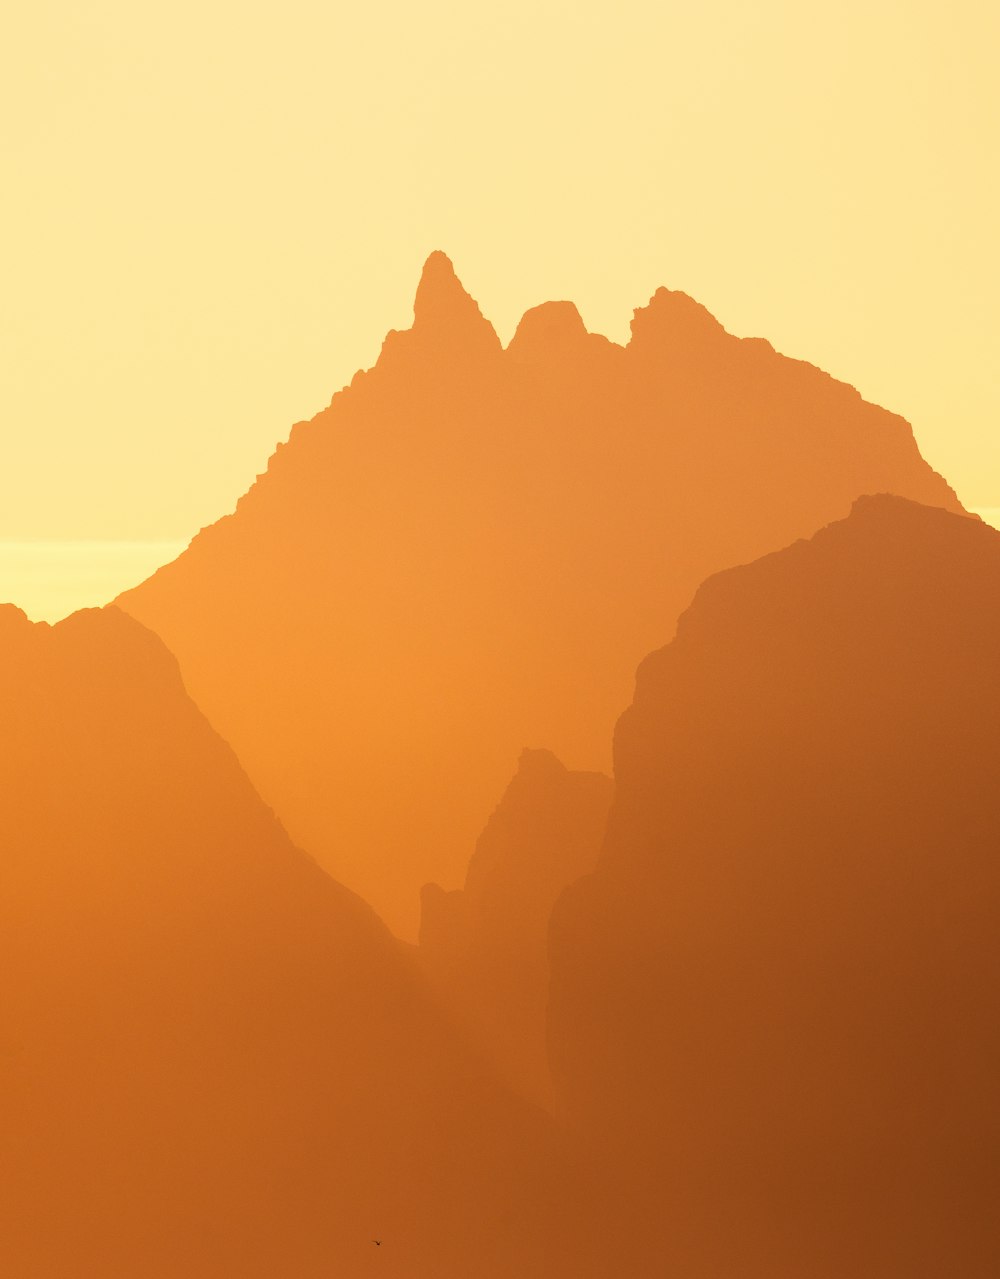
[214, 211]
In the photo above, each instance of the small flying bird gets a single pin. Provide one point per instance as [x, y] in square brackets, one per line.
[377, 1243]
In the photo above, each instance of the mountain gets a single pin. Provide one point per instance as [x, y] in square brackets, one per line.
[471, 548]
[214, 1060]
[485, 946]
[774, 1003]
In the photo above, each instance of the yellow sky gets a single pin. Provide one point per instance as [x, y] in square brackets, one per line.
[214, 211]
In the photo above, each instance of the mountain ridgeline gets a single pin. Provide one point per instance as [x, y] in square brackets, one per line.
[214, 1060]
[472, 548]
[730, 1015]
[777, 994]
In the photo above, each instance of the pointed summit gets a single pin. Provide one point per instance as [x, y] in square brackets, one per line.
[673, 319]
[440, 291]
[539, 763]
[443, 312]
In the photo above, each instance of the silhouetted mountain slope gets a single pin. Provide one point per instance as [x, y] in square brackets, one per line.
[774, 1004]
[214, 1060]
[485, 946]
[472, 548]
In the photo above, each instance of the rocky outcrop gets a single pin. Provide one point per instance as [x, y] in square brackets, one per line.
[485, 946]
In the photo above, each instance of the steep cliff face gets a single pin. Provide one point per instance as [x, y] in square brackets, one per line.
[775, 1000]
[214, 1060]
[471, 549]
[485, 946]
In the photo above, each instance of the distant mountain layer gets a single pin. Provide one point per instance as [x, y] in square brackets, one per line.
[470, 550]
[774, 1004]
[214, 1060]
[485, 946]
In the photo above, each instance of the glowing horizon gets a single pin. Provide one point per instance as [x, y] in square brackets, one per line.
[89, 574]
[50, 580]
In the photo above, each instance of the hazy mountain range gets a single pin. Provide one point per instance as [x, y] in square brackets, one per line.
[342, 931]
[472, 548]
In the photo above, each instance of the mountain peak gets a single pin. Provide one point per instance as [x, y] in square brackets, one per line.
[675, 319]
[553, 324]
[14, 623]
[474, 548]
[11, 615]
[538, 763]
[444, 311]
[438, 283]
